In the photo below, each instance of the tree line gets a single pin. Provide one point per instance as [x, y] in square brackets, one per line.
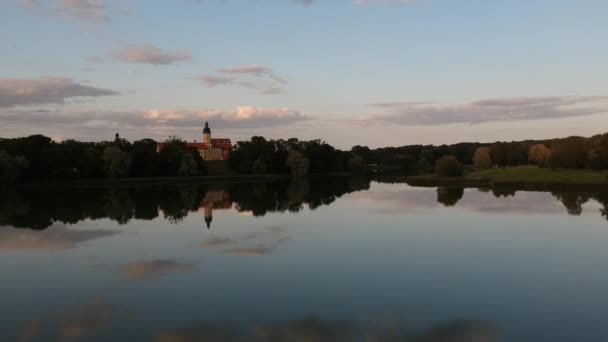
[572, 153]
[38, 157]
[300, 158]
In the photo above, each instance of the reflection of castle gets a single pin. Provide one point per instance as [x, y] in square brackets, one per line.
[209, 149]
[215, 199]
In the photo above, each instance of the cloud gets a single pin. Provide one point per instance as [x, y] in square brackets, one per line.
[94, 10]
[369, 2]
[304, 2]
[87, 10]
[147, 54]
[489, 110]
[56, 237]
[143, 270]
[244, 117]
[44, 90]
[212, 81]
[255, 70]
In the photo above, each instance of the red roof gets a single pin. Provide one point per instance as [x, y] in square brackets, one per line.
[224, 144]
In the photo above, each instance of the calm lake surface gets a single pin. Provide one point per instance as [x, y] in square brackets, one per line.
[327, 260]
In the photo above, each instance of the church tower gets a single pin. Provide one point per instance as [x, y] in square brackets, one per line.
[207, 134]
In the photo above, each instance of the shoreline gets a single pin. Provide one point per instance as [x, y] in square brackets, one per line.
[162, 181]
[529, 178]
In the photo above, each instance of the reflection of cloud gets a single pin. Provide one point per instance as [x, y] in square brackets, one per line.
[459, 332]
[90, 319]
[201, 331]
[156, 268]
[306, 329]
[260, 249]
[268, 239]
[87, 320]
[56, 237]
[315, 329]
[414, 200]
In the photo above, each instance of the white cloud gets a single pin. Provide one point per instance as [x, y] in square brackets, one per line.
[242, 117]
[94, 10]
[44, 90]
[254, 69]
[489, 110]
[147, 54]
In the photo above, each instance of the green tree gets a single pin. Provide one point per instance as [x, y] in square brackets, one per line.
[570, 153]
[357, 164]
[448, 166]
[298, 164]
[187, 166]
[12, 169]
[118, 163]
[258, 167]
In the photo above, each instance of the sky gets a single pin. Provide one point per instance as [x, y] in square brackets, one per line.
[349, 72]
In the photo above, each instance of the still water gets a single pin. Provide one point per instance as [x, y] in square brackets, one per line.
[326, 260]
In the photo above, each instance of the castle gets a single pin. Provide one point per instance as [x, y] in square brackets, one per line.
[209, 149]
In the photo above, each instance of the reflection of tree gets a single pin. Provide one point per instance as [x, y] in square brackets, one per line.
[572, 201]
[39, 208]
[498, 193]
[314, 328]
[449, 196]
[119, 206]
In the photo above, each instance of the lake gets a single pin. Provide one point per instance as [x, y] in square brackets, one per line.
[331, 259]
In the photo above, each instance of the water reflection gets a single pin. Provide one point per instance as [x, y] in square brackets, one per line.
[39, 208]
[314, 329]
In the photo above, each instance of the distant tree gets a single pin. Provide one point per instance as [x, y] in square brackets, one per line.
[597, 157]
[118, 163]
[540, 155]
[187, 166]
[482, 159]
[298, 164]
[499, 154]
[145, 158]
[448, 166]
[258, 167]
[11, 169]
[357, 164]
[570, 153]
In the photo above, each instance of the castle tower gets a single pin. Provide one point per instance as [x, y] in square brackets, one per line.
[207, 134]
[208, 214]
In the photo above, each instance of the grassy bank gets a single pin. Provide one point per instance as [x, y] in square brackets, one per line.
[521, 177]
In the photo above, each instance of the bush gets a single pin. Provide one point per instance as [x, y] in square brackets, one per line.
[448, 166]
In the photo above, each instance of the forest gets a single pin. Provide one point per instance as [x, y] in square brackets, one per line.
[566, 153]
[39, 158]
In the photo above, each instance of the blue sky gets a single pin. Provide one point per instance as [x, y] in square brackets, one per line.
[376, 73]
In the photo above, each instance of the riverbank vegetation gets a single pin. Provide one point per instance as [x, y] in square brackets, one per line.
[40, 159]
[37, 158]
